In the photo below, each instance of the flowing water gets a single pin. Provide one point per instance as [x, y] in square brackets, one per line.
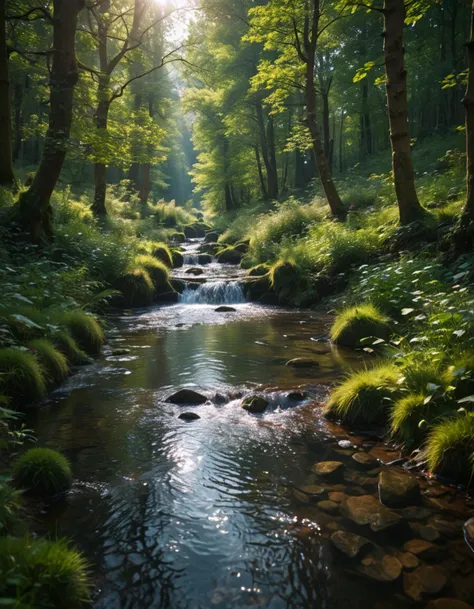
[191, 515]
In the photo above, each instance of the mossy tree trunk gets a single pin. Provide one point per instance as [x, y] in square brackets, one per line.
[464, 234]
[7, 177]
[402, 165]
[34, 210]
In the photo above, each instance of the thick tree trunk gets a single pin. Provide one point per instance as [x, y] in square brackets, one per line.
[403, 174]
[7, 177]
[464, 234]
[145, 184]
[35, 211]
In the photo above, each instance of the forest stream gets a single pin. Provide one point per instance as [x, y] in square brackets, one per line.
[224, 511]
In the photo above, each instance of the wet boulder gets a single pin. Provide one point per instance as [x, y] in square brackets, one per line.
[241, 247]
[204, 259]
[178, 285]
[189, 416]
[177, 237]
[211, 237]
[349, 544]
[424, 581]
[328, 506]
[302, 362]
[209, 248]
[229, 256]
[313, 490]
[255, 404]
[296, 396]
[178, 258]
[194, 271]
[398, 489]
[186, 396]
[423, 549]
[367, 511]
[259, 270]
[224, 309]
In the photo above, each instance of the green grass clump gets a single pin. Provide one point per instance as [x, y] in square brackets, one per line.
[355, 323]
[450, 449]
[364, 397]
[43, 472]
[285, 279]
[162, 252]
[21, 376]
[137, 288]
[414, 415]
[54, 362]
[70, 349]
[156, 269]
[42, 574]
[85, 330]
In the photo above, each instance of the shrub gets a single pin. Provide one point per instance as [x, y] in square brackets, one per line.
[10, 503]
[85, 330]
[355, 323]
[21, 376]
[415, 414]
[25, 322]
[68, 346]
[450, 448]
[137, 288]
[365, 396]
[54, 362]
[42, 574]
[43, 472]
[170, 215]
[156, 269]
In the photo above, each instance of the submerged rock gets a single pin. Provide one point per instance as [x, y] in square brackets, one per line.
[331, 507]
[189, 416]
[364, 461]
[302, 362]
[120, 351]
[381, 567]
[408, 560]
[186, 396]
[312, 489]
[468, 529]
[329, 469]
[366, 510]
[224, 309]
[425, 580]
[349, 543]
[448, 603]
[398, 489]
[423, 549]
[254, 404]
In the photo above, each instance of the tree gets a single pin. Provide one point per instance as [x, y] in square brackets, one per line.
[7, 177]
[34, 210]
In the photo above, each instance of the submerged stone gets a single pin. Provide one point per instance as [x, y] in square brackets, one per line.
[224, 309]
[254, 404]
[429, 533]
[120, 351]
[408, 560]
[186, 396]
[329, 469]
[349, 543]
[331, 507]
[302, 362]
[398, 489]
[189, 416]
[381, 567]
[366, 510]
[312, 489]
[364, 461]
[468, 529]
[425, 580]
[423, 549]
[448, 603]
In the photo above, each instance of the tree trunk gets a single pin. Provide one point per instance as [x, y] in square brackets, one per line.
[267, 144]
[326, 127]
[403, 174]
[145, 184]
[263, 188]
[341, 143]
[7, 177]
[464, 234]
[18, 103]
[35, 212]
[100, 169]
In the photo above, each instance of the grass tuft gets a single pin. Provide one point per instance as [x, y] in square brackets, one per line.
[137, 288]
[70, 349]
[414, 415]
[156, 269]
[21, 376]
[43, 472]
[85, 330]
[54, 363]
[355, 323]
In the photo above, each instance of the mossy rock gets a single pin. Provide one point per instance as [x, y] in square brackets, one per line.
[53, 362]
[178, 258]
[156, 269]
[285, 280]
[211, 237]
[43, 472]
[242, 247]
[163, 253]
[47, 574]
[177, 237]
[229, 256]
[137, 288]
[190, 232]
[359, 322]
[255, 404]
[204, 258]
[259, 270]
[365, 397]
[257, 287]
[209, 248]
[22, 376]
[85, 329]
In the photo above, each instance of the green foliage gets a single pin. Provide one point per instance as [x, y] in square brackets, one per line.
[42, 574]
[156, 269]
[450, 448]
[10, 504]
[137, 288]
[285, 280]
[355, 323]
[53, 362]
[42, 472]
[414, 415]
[85, 330]
[162, 252]
[70, 349]
[21, 376]
[170, 215]
[365, 397]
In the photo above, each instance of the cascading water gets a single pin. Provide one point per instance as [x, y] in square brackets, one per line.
[191, 259]
[216, 293]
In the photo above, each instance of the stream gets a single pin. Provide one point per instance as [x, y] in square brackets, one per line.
[225, 511]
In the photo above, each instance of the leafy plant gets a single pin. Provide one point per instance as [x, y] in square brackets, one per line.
[42, 471]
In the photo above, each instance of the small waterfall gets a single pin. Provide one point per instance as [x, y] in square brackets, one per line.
[191, 259]
[217, 293]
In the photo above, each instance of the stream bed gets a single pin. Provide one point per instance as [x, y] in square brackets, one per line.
[225, 511]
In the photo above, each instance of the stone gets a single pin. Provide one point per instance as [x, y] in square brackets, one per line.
[328, 469]
[204, 259]
[224, 309]
[447, 528]
[381, 567]
[345, 444]
[448, 603]
[120, 351]
[468, 529]
[429, 533]
[422, 549]
[366, 510]
[302, 362]
[186, 396]
[409, 561]
[423, 581]
[312, 489]
[398, 489]
[364, 460]
[229, 256]
[296, 396]
[435, 491]
[415, 512]
[254, 404]
[349, 543]
[189, 416]
[384, 455]
[331, 507]
[337, 496]
[194, 271]
[211, 237]
[219, 398]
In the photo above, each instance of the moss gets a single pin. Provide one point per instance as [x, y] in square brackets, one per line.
[450, 449]
[68, 347]
[53, 362]
[43, 574]
[355, 323]
[43, 472]
[137, 288]
[156, 269]
[364, 398]
[162, 252]
[259, 270]
[21, 376]
[177, 237]
[85, 330]
[414, 415]
[285, 280]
